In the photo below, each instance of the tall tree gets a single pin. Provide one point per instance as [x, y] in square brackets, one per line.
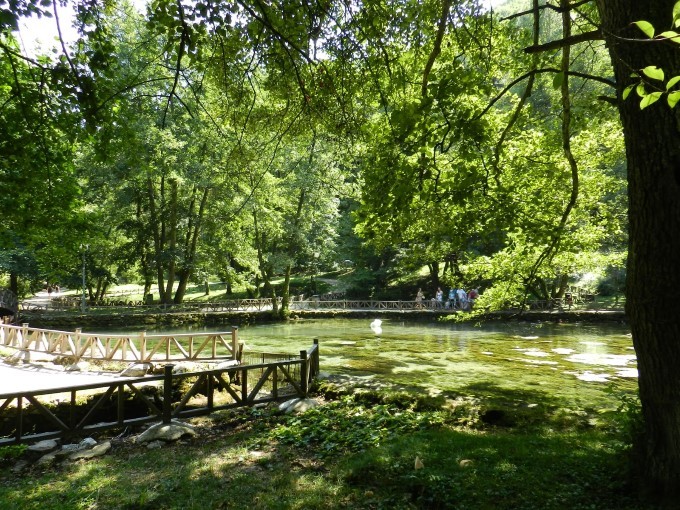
[652, 140]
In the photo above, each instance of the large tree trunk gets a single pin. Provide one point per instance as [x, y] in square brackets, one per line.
[652, 139]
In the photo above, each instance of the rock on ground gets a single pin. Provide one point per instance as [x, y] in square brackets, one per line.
[298, 405]
[166, 432]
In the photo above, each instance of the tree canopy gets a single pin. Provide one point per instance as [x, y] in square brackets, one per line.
[252, 140]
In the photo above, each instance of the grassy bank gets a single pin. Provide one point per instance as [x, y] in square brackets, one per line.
[357, 450]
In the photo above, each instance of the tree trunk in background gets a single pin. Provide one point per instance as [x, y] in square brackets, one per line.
[158, 238]
[652, 139]
[190, 245]
[434, 273]
[285, 293]
[172, 244]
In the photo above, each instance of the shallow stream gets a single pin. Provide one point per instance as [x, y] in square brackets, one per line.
[566, 364]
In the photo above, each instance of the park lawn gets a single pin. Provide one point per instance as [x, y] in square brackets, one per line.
[356, 450]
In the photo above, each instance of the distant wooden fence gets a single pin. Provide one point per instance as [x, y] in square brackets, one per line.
[74, 304]
[122, 347]
[244, 385]
[368, 304]
[322, 302]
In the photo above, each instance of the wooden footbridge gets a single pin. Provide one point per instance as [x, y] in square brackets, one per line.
[125, 401]
[77, 345]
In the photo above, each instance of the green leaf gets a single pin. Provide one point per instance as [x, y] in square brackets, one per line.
[649, 99]
[671, 36]
[653, 72]
[673, 98]
[646, 27]
[557, 80]
[626, 91]
[676, 14]
[672, 81]
[640, 89]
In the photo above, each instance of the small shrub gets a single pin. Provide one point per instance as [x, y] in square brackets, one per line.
[628, 415]
[12, 452]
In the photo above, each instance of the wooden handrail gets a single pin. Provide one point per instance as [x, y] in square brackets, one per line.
[207, 381]
[122, 347]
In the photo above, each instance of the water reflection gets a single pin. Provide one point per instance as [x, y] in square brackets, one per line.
[562, 360]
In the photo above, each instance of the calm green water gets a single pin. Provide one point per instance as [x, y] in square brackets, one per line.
[568, 364]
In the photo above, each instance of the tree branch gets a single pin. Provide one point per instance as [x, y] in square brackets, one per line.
[594, 35]
[180, 53]
[437, 49]
[546, 6]
[514, 82]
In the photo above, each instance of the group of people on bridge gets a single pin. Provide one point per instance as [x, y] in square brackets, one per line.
[458, 299]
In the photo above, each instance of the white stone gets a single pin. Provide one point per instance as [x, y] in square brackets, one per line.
[137, 370]
[44, 446]
[88, 442]
[298, 405]
[166, 432]
[184, 367]
[97, 451]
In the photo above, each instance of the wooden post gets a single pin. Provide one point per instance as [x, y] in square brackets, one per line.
[244, 386]
[20, 419]
[316, 357]
[167, 393]
[234, 343]
[209, 388]
[24, 335]
[142, 346]
[304, 370]
[77, 353]
[72, 410]
[275, 382]
[121, 405]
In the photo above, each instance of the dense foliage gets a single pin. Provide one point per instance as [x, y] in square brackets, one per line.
[248, 143]
[252, 141]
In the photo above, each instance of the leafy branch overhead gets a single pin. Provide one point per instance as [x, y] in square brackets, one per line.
[650, 86]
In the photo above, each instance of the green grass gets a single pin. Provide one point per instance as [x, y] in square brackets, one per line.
[357, 450]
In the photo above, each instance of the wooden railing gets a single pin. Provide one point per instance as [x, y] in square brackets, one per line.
[248, 305]
[244, 385]
[231, 305]
[123, 347]
[364, 304]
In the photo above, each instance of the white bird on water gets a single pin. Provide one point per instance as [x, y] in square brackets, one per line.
[376, 326]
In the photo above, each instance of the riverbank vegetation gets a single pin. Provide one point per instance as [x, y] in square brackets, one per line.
[250, 142]
[262, 172]
[359, 449]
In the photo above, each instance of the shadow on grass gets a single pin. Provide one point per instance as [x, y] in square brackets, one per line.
[460, 469]
[495, 471]
[357, 453]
